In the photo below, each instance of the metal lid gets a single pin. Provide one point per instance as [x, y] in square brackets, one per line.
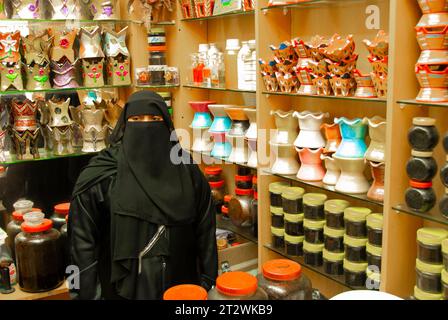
[432, 236]
[278, 211]
[356, 214]
[277, 232]
[294, 239]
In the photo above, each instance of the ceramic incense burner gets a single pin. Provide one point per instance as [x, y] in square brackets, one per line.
[93, 131]
[239, 152]
[104, 9]
[332, 170]
[221, 121]
[62, 140]
[364, 85]
[353, 134]
[221, 148]
[202, 117]
[352, 179]
[287, 82]
[286, 132]
[310, 124]
[27, 9]
[24, 114]
[376, 191]
[64, 74]
[431, 6]
[253, 156]
[379, 47]
[333, 137]
[26, 144]
[63, 41]
[59, 112]
[377, 133]
[432, 31]
[37, 77]
[251, 114]
[201, 140]
[9, 47]
[11, 76]
[311, 164]
[65, 9]
[285, 159]
[339, 48]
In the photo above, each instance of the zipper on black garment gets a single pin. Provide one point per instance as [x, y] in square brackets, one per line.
[149, 246]
[163, 273]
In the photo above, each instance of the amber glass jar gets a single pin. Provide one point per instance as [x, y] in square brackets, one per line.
[334, 213]
[61, 210]
[292, 200]
[213, 173]
[185, 292]
[277, 217]
[39, 254]
[294, 224]
[239, 208]
[217, 189]
[429, 277]
[355, 221]
[375, 229]
[333, 262]
[313, 253]
[429, 242]
[313, 206]
[237, 285]
[283, 279]
[355, 273]
[13, 229]
[275, 193]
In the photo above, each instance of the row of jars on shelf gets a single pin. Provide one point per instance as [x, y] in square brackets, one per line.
[37, 248]
[48, 59]
[327, 67]
[206, 8]
[60, 9]
[344, 151]
[85, 130]
[432, 66]
[344, 240]
[431, 264]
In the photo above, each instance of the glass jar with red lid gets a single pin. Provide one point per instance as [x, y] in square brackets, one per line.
[243, 182]
[225, 206]
[283, 279]
[237, 285]
[185, 292]
[13, 229]
[254, 214]
[39, 254]
[239, 208]
[61, 210]
[213, 173]
[217, 189]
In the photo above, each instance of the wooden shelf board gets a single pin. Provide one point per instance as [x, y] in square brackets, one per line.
[18, 294]
[218, 89]
[373, 100]
[221, 160]
[414, 102]
[430, 216]
[228, 225]
[221, 16]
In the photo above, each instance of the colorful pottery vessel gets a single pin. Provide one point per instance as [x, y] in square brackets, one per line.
[286, 126]
[311, 164]
[332, 170]
[353, 133]
[377, 132]
[285, 159]
[309, 134]
[352, 179]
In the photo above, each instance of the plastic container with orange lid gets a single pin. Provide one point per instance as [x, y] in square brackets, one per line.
[213, 173]
[283, 279]
[237, 285]
[61, 210]
[13, 229]
[185, 292]
[39, 254]
[217, 189]
[243, 182]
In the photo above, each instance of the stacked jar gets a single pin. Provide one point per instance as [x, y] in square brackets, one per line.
[431, 68]
[237, 285]
[443, 204]
[445, 270]
[355, 241]
[254, 207]
[421, 168]
[292, 210]
[240, 206]
[333, 253]
[157, 59]
[277, 224]
[429, 265]
[313, 227]
[216, 182]
[374, 249]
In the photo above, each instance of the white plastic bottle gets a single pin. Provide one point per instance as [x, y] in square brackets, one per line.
[243, 54]
[251, 67]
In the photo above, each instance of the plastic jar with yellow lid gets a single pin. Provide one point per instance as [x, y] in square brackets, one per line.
[429, 277]
[275, 193]
[334, 213]
[313, 206]
[294, 245]
[313, 253]
[429, 242]
[334, 239]
[292, 200]
[283, 279]
[445, 284]
[278, 236]
[445, 253]
[355, 249]
[333, 262]
[294, 224]
[355, 221]
[355, 273]
[277, 217]
[375, 229]
[237, 285]
[422, 295]
[373, 255]
[314, 231]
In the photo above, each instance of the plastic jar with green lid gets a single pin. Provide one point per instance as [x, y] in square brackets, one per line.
[275, 192]
[445, 253]
[313, 206]
[355, 249]
[429, 242]
[278, 236]
[237, 285]
[375, 229]
[429, 276]
[294, 245]
[373, 278]
[355, 221]
[445, 284]
[313, 253]
[314, 231]
[283, 279]
[334, 213]
[422, 295]
[373, 255]
[333, 262]
[292, 200]
[294, 224]
[277, 220]
[355, 273]
[334, 239]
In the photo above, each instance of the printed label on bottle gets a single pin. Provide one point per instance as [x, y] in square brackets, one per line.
[156, 39]
[12, 274]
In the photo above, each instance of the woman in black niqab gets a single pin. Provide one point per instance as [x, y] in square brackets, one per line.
[151, 216]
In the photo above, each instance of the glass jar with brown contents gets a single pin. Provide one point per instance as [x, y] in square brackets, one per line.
[239, 208]
[217, 189]
[60, 212]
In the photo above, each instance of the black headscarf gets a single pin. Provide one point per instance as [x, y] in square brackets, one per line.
[150, 189]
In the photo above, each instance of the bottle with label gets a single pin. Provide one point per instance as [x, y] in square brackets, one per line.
[242, 56]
